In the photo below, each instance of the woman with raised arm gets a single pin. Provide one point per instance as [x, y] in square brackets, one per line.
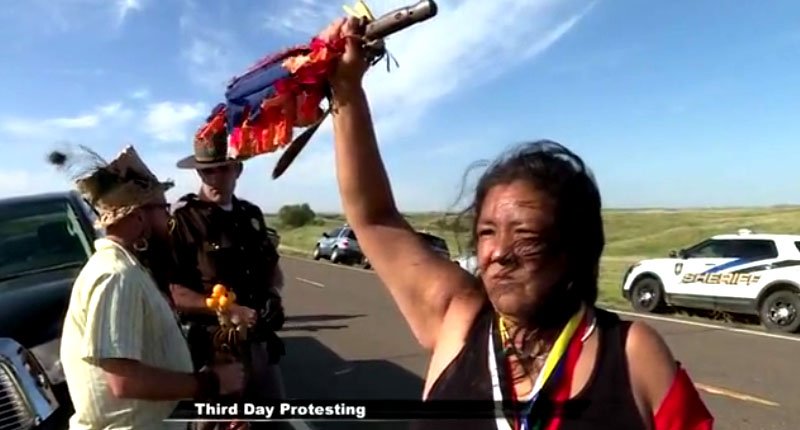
[526, 328]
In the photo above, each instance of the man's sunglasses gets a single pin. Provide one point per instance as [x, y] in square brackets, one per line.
[163, 206]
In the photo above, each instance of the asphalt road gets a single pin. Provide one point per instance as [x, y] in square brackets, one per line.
[347, 340]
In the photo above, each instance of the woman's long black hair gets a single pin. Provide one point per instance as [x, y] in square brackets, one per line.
[563, 177]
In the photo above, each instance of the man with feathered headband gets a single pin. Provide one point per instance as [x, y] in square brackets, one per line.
[125, 358]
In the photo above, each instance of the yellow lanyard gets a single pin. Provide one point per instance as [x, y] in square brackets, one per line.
[554, 357]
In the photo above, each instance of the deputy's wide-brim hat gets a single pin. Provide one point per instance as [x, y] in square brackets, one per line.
[209, 151]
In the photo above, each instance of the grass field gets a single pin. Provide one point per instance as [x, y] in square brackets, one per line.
[631, 235]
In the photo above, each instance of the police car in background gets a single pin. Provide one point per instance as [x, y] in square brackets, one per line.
[743, 273]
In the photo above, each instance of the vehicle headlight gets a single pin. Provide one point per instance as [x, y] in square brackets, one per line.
[49, 356]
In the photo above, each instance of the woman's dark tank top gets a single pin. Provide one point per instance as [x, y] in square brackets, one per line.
[606, 402]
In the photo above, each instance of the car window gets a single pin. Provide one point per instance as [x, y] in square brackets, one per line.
[91, 215]
[711, 249]
[351, 235]
[755, 249]
[39, 235]
[334, 232]
[734, 248]
[434, 241]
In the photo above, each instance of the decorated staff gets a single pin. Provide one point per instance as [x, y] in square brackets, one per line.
[230, 339]
[232, 330]
[285, 90]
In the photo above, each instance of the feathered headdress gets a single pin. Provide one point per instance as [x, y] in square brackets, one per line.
[113, 188]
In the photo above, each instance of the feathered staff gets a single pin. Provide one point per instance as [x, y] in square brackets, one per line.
[284, 90]
[230, 339]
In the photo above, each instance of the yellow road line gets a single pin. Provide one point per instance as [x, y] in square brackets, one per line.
[734, 395]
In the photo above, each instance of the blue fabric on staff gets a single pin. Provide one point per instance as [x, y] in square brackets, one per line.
[248, 92]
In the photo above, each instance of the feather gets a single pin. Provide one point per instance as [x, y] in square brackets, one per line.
[360, 10]
[77, 161]
[57, 158]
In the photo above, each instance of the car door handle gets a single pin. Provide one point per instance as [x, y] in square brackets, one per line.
[710, 264]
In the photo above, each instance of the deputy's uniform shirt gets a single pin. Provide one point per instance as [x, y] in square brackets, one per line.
[117, 311]
[228, 246]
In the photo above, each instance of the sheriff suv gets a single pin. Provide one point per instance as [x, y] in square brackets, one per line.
[744, 273]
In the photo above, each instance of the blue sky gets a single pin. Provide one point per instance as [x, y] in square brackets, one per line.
[673, 104]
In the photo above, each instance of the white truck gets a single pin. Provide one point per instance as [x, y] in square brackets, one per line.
[743, 273]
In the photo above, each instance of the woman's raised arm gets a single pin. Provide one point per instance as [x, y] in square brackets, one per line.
[424, 285]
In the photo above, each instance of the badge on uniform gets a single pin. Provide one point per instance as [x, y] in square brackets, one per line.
[678, 268]
[256, 224]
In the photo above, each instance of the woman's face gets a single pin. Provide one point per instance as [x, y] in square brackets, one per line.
[515, 237]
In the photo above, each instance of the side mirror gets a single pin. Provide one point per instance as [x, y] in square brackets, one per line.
[681, 253]
[325, 235]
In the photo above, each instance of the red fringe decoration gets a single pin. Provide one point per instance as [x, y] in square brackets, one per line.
[296, 102]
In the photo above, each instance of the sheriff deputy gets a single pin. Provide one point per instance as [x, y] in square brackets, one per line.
[219, 238]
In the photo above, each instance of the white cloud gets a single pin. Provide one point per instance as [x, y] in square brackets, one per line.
[17, 182]
[140, 94]
[162, 163]
[59, 16]
[207, 61]
[33, 180]
[459, 48]
[171, 121]
[83, 121]
[80, 72]
[52, 127]
[310, 167]
[125, 7]
[165, 121]
[299, 16]
[13, 180]
[38, 177]
[113, 110]
[211, 54]
[311, 179]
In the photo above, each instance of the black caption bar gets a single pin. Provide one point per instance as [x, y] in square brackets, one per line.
[347, 410]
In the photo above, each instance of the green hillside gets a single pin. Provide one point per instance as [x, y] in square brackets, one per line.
[630, 234]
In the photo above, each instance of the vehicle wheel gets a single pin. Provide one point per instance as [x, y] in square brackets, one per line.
[647, 295]
[365, 264]
[780, 311]
[315, 254]
[335, 257]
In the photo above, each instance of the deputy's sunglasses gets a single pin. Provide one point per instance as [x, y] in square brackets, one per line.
[217, 169]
